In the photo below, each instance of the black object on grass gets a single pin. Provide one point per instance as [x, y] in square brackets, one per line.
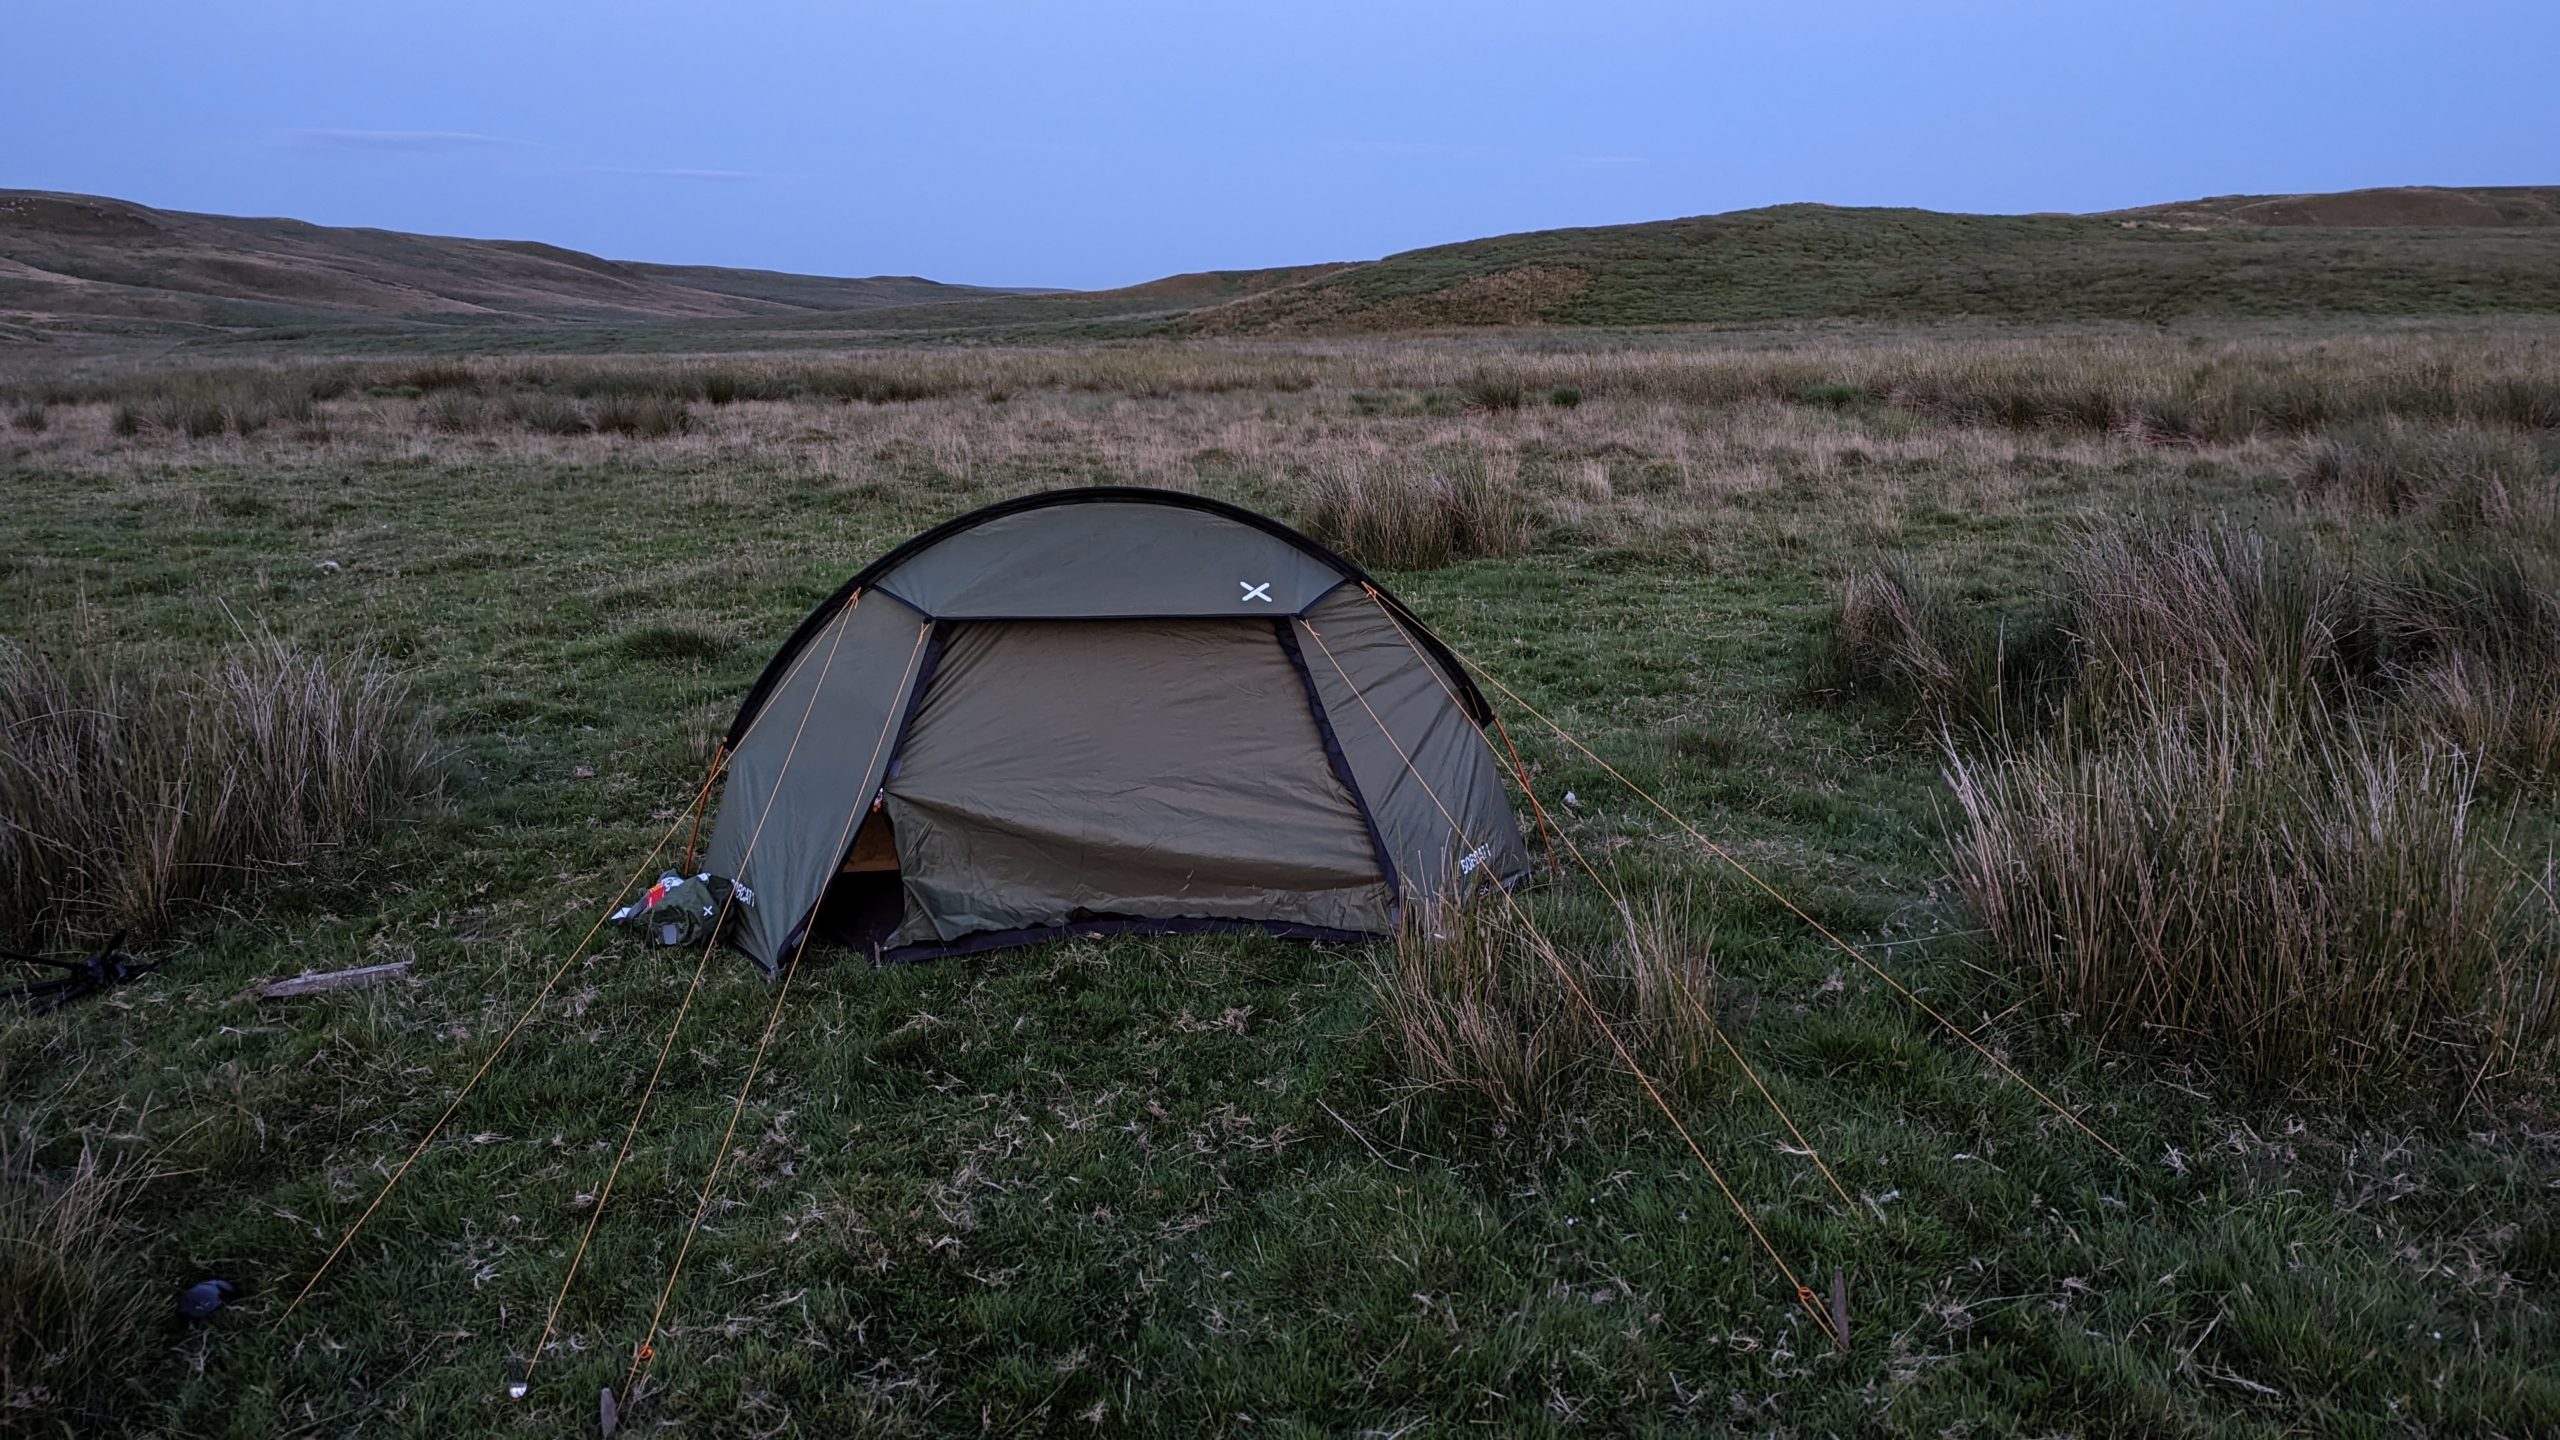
[104, 970]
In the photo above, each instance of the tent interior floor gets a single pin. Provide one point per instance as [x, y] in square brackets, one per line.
[865, 903]
[861, 911]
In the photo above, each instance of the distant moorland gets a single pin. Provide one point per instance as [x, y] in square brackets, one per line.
[78, 269]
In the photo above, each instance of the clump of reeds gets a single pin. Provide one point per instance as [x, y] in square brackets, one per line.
[1901, 638]
[1496, 390]
[1464, 1007]
[671, 644]
[2298, 902]
[1480, 998]
[2169, 616]
[548, 414]
[2474, 640]
[2243, 827]
[128, 789]
[1401, 515]
[74, 1304]
[651, 417]
[454, 412]
[2146, 623]
[2464, 475]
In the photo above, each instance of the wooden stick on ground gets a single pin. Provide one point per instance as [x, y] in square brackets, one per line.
[355, 979]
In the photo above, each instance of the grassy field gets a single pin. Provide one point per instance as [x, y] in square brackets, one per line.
[1178, 1187]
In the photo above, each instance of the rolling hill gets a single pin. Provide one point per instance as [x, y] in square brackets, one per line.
[2401, 205]
[84, 264]
[75, 265]
[2365, 252]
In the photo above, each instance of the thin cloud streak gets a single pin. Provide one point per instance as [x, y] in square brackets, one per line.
[1411, 148]
[421, 142]
[723, 177]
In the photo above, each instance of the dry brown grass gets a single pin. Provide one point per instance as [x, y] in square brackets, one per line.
[73, 1299]
[2463, 476]
[1414, 514]
[2199, 388]
[2229, 807]
[1480, 998]
[1622, 466]
[127, 790]
[2305, 905]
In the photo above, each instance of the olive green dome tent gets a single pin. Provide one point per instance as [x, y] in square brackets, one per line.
[1097, 711]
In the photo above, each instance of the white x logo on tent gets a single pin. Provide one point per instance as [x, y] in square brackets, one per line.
[1261, 592]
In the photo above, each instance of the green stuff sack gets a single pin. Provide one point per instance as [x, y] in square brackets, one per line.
[681, 910]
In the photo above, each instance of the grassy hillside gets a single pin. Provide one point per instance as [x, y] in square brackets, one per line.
[2401, 205]
[1798, 262]
[1788, 264]
[83, 264]
[820, 293]
[102, 268]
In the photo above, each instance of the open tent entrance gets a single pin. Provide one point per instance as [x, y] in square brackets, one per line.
[1058, 775]
[865, 903]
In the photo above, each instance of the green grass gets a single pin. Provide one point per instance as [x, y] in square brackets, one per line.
[1158, 1186]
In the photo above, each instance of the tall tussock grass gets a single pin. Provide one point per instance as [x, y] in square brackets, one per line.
[2166, 617]
[2140, 623]
[1401, 515]
[2240, 820]
[128, 790]
[2475, 640]
[2463, 476]
[2144, 624]
[1475, 999]
[2301, 904]
[74, 1304]
[1904, 639]
[652, 417]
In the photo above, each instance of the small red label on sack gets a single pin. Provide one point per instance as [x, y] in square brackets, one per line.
[656, 893]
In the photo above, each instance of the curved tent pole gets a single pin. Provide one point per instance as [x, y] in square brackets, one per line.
[1453, 670]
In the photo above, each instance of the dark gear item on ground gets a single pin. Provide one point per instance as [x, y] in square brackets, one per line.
[683, 911]
[105, 970]
[206, 1296]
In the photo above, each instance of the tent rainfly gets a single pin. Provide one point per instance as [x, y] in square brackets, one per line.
[1105, 710]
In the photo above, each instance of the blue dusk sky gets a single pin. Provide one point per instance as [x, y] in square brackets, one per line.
[1104, 143]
